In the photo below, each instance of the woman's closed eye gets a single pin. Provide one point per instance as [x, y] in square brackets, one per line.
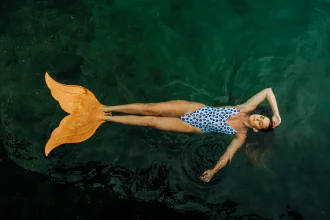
[261, 123]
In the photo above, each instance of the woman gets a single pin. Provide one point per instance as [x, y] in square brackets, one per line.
[87, 114]
[194, 117]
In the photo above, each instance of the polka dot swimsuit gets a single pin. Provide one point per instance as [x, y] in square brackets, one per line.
[211, 119]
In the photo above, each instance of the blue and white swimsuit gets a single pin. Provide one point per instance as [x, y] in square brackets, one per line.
[211, 119]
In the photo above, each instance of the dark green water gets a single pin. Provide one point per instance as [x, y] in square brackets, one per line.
[214, 52]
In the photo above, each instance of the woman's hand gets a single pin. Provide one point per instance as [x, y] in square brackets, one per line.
[207, 175]
[276, 120]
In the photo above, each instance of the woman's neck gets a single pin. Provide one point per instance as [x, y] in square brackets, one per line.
[246, 120]
[240, 122]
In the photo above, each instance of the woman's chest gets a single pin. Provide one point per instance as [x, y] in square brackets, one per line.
[236, 122]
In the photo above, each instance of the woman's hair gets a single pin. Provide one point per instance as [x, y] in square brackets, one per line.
[258, 146]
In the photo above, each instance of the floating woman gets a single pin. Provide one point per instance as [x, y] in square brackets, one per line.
[87, 114]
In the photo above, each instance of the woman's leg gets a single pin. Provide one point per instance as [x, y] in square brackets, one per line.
[174, 108]
[161, 123]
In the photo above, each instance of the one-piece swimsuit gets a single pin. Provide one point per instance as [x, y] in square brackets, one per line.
[211, 119]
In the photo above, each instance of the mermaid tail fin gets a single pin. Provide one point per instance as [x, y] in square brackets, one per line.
[85, 114]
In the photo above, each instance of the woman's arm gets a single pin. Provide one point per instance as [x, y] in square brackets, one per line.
[253, 102]
[235, 144]
[272, 102]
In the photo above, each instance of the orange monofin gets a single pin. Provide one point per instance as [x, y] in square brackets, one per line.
[85, 114]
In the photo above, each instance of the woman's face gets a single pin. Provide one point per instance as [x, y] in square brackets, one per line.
[259, 121]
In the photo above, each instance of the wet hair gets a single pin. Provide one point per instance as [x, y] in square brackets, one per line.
[258, 146]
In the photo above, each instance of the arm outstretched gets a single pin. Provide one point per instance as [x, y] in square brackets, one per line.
[235, 144]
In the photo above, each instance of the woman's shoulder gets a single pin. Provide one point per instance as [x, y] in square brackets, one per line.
[242, 108]
[227, 106]
[242, 134]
